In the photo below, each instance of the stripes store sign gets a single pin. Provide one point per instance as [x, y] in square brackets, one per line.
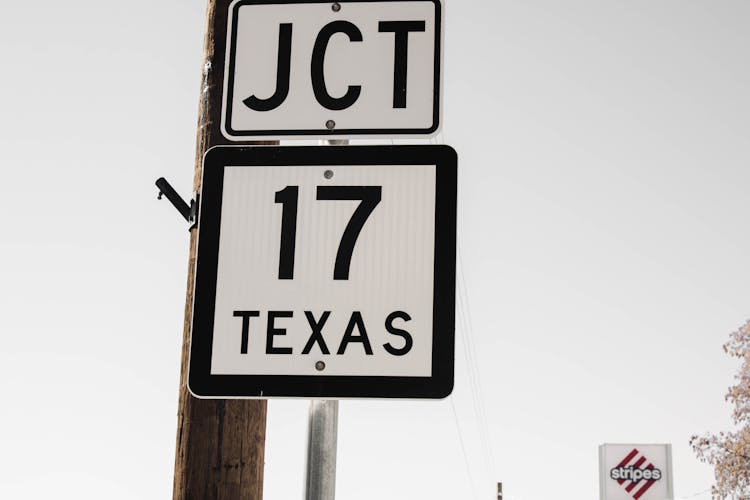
[635, 472]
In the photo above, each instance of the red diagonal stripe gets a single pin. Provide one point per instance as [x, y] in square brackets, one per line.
[625, 461]
[644, 489]
[628, 458]
[635, 466]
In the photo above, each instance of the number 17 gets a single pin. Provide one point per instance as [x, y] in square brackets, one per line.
[368, 195]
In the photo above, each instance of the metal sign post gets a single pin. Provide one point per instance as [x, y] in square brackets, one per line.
[321, 450]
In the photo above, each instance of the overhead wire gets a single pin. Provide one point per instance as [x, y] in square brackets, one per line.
[473, 368]
[459, 428]
[475, 378]
[470, 356]
[469, 475]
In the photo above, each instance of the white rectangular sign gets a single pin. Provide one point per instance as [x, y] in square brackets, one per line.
[635, 472]
[328, 264]
[332, 69]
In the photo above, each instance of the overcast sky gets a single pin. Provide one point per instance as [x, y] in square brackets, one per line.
[603, 240]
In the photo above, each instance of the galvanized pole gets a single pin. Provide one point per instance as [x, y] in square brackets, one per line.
[321, 450]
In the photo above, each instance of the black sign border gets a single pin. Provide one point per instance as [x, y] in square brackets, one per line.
[239, 135]
[203, 384]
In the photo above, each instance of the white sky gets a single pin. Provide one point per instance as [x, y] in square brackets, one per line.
[603, 233]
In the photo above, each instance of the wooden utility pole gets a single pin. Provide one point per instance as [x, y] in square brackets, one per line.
[220, 443]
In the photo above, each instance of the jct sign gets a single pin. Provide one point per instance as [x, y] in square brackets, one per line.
[332, 69]
[635, 472]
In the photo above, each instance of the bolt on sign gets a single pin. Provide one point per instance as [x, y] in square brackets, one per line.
[325, 272]
[635, 471]
[332, 69]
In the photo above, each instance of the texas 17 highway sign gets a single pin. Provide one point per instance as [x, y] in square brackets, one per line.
[332, 69]
[325, 272]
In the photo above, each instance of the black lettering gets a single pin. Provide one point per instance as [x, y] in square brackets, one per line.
[288, 199]
[370, 196]
[245, 315]
[316, 335]
[355, 320]
[272, 331]
[282, 74]
[401, 29]
[317, 65]
[408, 341]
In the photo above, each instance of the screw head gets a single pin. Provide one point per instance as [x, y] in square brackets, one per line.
[320, 366]
[336, 7]
[328, 174]
[330, 124]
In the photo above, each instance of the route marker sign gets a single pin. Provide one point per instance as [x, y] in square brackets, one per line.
[328, 69]
[325, 272]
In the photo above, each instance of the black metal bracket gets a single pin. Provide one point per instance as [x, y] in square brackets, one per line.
[188, 212]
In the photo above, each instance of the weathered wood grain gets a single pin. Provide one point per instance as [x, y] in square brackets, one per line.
[220, 443]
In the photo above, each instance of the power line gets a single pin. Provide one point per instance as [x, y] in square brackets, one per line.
[463, 451]
[475, 366]
[470, 356]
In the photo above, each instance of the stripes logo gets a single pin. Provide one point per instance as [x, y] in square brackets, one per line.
[633, 475]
